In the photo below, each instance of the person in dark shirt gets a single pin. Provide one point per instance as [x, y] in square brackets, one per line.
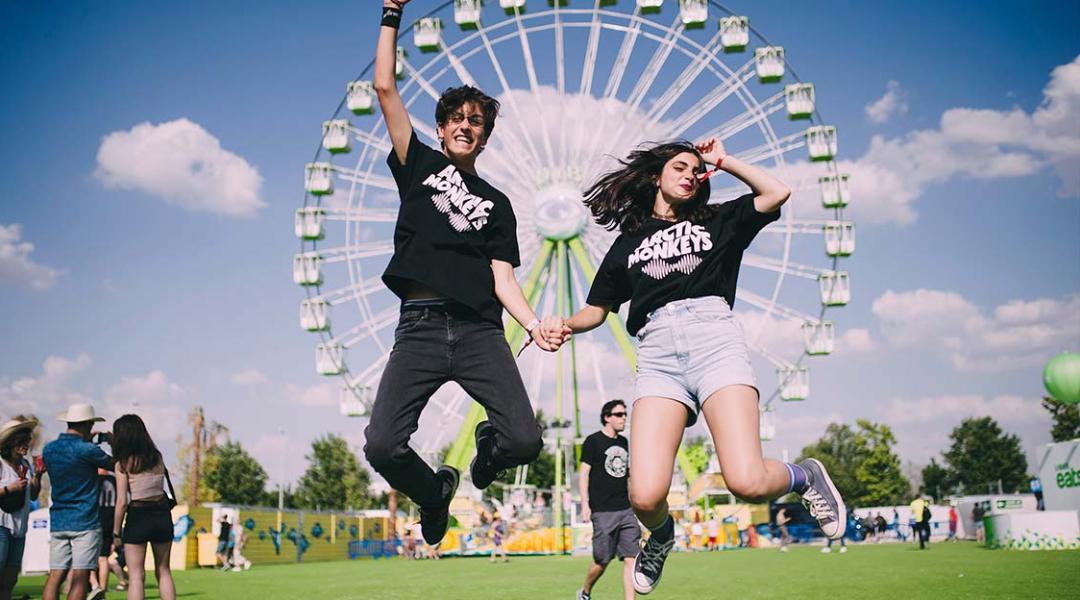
[455, 249]
[605, 500]
[677, 262]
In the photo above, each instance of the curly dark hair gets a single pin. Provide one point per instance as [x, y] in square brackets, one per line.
[456, 97]
[608, 408]
[132, 447]
[624, 198]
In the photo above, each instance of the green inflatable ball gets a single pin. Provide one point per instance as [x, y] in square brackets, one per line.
[1062, 377]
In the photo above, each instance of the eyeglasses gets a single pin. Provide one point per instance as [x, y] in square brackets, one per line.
[621, 415]
[474, 120]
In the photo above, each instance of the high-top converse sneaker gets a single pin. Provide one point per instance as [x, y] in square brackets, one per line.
[434, 520]
[481, 470]
[823, 501]
[649, 563]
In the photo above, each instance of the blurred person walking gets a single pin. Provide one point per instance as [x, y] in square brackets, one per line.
[74, 522]
[141, 476]
[21, 483]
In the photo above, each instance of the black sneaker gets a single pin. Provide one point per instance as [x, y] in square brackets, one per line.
[583, 595]
[649, 563]
[433, 521]
[823, 501]
[481, 470]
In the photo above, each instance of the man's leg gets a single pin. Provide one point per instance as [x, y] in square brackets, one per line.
[484, 366]
[417, 366]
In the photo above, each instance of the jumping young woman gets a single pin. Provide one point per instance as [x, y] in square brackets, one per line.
[455, 249]
[676, 261]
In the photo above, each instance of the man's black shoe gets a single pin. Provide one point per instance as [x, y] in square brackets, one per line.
[433, 521]
[481, 471]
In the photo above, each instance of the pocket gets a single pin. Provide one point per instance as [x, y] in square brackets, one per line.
[410, 319]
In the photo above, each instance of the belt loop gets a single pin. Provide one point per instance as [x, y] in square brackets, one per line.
[427, 313]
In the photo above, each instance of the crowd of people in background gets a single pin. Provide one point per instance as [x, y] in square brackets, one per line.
[105, 508]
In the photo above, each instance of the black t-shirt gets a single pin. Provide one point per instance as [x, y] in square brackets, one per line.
[223, 533]
[664, 261]
[450, 227]
[609, 459]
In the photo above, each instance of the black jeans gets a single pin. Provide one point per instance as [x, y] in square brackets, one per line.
[433, 345]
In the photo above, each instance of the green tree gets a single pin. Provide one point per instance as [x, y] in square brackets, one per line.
[697, 453]
[1066, 420]
[234, 475]
[334, 478]
[937, 480]
[981, 454]
[839, 451]
[878, 469]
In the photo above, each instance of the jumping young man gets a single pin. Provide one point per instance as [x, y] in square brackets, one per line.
[605, 500]
[455, 249]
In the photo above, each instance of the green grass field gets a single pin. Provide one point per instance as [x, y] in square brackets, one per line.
[888, 571]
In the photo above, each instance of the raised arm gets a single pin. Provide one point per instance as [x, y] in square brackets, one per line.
[393, 107]
[769, 192]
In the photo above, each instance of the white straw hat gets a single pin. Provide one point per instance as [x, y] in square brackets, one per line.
[78, 413]
[19, 423]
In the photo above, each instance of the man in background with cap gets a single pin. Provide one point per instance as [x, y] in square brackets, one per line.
[74, 523]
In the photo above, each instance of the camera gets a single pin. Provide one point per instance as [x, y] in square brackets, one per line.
[102, 437]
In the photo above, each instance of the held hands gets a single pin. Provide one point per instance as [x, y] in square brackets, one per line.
[712, 150]
[398, 4]
[555, 330]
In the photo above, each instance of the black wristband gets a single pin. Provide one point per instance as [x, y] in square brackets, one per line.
[391, 17]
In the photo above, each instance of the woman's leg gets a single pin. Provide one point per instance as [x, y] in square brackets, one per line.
[732, 416]
[166, 587]
[135, 555]
[656, 426]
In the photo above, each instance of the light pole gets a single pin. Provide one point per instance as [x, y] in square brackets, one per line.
[281, 478]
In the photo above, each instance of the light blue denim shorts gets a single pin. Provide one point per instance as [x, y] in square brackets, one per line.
[689, 349]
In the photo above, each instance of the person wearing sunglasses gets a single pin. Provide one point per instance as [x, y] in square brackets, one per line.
[677, 262]
[605, 501]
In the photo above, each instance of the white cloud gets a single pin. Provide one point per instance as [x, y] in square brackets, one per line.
[281, 456]
[1018, 334]
[894, 102]
[322, 395]
[45, 395]
[248, 377]
[155, 398]
[857, 340]
[183, 164]
[954, 408]
[974, 143]
[16, 266]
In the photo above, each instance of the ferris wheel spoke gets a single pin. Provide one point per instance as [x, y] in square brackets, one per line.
[751, 259]
[770, 150]
[380, 144]
[726, 194]
[773, 307]
[534, 85]
[360, 289]
[533, 154]
[706, 55]
[362, 215]
[381, 182]
[748, 118]
[711, 100]
[802, 226]
[368, 328]
[356, 251]
[591, 50]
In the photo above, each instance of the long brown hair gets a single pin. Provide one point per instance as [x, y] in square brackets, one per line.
[624, 198]
[132, 447]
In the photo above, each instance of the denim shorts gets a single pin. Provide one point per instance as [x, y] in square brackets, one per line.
[688, 350]
[11, 549]
[74, 549]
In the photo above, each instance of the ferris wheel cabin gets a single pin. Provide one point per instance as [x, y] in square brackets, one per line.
[819, 338]
[308, 223]
[767, 424]
[329, 358]
[799, 99]
[307, 269]
[360, 97]
[835, 191]
[315, 315]
[694, 13]
[649, 7]
[427, 34]
[769, 62]
[467, 14]
[336, 136]
[317, 179]
[835, 288]
[355, 400]
[839, 238]
[734, 33]
[512, 7]
[821, 142]
[794, 383]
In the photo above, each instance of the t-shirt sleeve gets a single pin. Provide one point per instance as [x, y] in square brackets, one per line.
[97, 457]
[748, 221]
[405, 175]
[587, 451]
[611, 286]
[500, 239]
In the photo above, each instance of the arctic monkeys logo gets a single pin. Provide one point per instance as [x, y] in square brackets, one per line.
[462, 208]
[670, 250]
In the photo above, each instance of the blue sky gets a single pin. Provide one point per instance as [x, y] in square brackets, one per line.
[127, 295]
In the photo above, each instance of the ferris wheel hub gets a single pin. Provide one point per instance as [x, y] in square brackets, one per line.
[560, 215]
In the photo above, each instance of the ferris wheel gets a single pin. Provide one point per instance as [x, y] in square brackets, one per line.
[580, 82]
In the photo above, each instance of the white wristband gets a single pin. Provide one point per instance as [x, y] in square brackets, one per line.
[532, 325]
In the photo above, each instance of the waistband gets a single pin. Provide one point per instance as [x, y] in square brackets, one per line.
[444, 306]
[685, 305]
